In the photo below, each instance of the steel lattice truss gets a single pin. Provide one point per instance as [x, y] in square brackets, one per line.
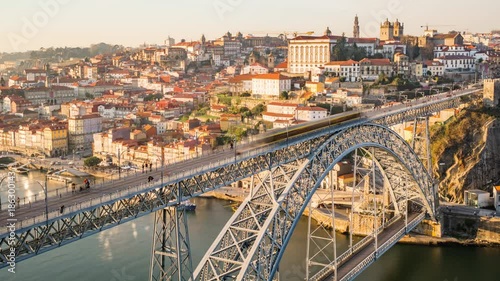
[67, 228]
[171, 257]
[418, 111]
[253, 241]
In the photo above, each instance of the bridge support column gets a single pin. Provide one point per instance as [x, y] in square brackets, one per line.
[321, 237]
[422, 141]
[171, 256]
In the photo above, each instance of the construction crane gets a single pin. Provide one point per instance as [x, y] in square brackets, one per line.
[434, 25]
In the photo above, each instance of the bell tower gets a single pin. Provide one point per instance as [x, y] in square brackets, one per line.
[251, 59]
[355, 32]
[270, 61]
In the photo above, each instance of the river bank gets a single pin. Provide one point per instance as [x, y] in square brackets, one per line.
[342, 223]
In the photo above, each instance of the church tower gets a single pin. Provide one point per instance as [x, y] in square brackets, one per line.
[251, 59]
[270, 61]
[386, 31]
[398, 30]
[355, 32]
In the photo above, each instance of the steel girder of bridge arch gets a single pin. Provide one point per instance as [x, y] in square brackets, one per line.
[415, 111]
[45, 236]
[252, 243]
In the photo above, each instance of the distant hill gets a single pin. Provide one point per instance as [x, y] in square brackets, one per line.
[56, 54]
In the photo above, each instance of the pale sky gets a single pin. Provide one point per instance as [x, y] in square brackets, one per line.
[32, 24]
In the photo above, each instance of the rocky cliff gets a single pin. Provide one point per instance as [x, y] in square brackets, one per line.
[466, 153]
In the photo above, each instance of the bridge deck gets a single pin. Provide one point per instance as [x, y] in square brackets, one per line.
[28, 211]
[364, 252]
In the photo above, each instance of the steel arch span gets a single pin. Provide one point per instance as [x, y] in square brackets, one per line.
[252, 243]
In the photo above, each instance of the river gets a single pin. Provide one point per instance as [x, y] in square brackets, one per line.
[123, 254]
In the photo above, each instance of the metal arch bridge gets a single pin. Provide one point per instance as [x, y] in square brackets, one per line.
[252, 243]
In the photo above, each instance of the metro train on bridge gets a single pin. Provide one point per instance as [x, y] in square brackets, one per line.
[284, 134]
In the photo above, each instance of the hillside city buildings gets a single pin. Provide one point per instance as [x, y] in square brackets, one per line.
[164, 103]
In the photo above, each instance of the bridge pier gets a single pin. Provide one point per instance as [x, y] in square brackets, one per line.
[171, 256]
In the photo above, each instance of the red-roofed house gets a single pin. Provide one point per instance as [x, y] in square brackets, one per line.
[457, 63]
[273, 117]
[433, 68]
[229, 120]
[271, 84]
[282, 108]
[282, 67]
[241, 83]
[348, 69]
[255, 68]
[308, 113]
[372, 68]
[455, 50]
[33, 74]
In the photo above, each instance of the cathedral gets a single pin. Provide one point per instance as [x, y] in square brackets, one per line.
[391, 31]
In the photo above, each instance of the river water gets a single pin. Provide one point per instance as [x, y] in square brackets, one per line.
[123, 254]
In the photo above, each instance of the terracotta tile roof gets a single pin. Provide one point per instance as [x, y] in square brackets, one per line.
[241, 78]
[343, 63]
[271, 76]
[362, 40]
[278, 114]
[283, 104]
[311, 108]
[377, 61]
[445, 36]
[282, 65]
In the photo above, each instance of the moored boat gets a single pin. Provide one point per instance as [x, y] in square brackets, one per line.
[188, 205]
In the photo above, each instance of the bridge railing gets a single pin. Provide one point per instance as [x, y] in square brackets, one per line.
[101, 182]
[63, 191]
[124, 193]
[383, 248]
[347, 254]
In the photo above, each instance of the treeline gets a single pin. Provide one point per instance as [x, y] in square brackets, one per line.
[63, 53]
[77, 52]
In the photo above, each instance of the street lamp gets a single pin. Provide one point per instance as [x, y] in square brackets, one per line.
[235, 149]
[44, 187]
[120, 162]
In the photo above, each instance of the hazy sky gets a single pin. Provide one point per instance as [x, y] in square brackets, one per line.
[32, 24]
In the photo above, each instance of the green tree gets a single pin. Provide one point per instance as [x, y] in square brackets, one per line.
[340, 51]
[258, 109]
[92, 161]
[284, 95]
[153, 97]
[237, 132]
[245, 112]
[356, 53]
[416, 52]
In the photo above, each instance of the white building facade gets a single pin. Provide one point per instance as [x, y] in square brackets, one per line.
[350, 69]
[457, 63]
[270, 84]
[308, 52]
